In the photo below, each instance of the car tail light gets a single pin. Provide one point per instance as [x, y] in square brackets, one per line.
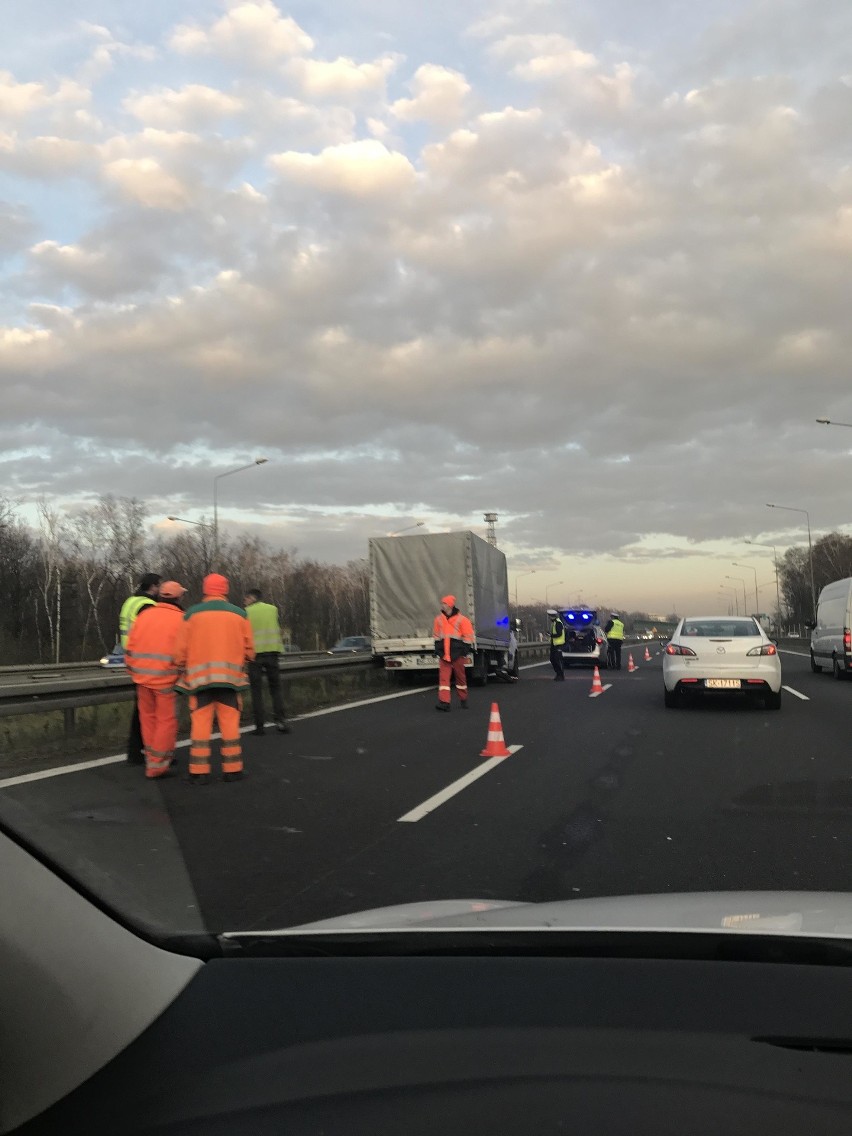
[766, 649]
[676, 649]
[847, 640]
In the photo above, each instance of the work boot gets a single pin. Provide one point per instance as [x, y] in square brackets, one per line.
[199, 778]
[258, 731]
[233, 776]
[445, 706]
[282, 727]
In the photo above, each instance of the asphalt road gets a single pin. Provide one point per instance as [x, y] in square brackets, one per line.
[609, 795]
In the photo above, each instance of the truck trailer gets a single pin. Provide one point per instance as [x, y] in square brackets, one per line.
[408, 577]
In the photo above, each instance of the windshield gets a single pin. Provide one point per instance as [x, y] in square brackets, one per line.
[340, 346]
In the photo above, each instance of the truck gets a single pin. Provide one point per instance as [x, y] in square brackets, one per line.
[408, 577]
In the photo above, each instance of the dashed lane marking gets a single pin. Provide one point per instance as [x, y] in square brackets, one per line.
[797, 693]
[444, 795]
[801, 654]
[598, 693]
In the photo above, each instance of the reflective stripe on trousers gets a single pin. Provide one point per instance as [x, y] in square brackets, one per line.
[223, 707]
[446, 673]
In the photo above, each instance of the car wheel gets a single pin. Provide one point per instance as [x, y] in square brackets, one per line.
[836, 669]
[816, 669]
[671, 698]
[772, 700]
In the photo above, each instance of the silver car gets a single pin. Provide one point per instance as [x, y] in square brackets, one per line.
[713, 654]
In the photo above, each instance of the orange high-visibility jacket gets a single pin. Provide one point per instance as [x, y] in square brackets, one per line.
[213, 645]
[150, 649]
[453, 634]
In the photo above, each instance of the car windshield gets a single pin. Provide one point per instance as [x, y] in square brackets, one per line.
[341, 345]
[721, 628]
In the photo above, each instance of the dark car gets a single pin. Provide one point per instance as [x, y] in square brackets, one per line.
[351, 645]
[585, 641]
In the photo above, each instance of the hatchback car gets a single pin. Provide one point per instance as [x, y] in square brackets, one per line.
[351, 645]
[585, 641]
[715, 654]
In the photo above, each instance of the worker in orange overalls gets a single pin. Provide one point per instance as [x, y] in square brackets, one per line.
[149, 656]
[213, 646]
[453, 635]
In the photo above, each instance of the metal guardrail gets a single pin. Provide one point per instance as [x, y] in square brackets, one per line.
[44, 688]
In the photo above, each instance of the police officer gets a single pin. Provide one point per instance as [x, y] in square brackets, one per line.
[557, 642]
[614, 632]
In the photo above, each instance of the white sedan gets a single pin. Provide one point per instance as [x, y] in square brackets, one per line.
[714, 654]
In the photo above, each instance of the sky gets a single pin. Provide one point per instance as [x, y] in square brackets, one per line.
[587, 265]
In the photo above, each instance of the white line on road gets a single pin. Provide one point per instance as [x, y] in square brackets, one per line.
[803, 697]
[598, 693]
[801, 654]
[444, 795]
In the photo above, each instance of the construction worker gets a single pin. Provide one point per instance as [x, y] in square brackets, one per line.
[614, 632]
[557, 642]
[213, 645]
[453, 635]
[144, 595]
[268, 646]
[150, 661]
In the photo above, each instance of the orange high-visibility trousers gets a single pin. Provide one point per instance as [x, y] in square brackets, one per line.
[222, 706]
[158, 719]
[446, 673]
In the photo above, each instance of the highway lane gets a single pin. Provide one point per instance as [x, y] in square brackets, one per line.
[609, 795]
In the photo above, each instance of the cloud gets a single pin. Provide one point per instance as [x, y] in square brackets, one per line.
[20, 100]
[193, 107]
[252, 33]
[439, 95]
[341, 77]
[361, 169]
[144, 181]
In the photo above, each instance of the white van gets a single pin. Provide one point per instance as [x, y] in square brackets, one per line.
[831, 635]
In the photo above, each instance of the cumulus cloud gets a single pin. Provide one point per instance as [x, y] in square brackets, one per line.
[193, 107]
[362, 168]
[438, 95]
[144, 180]
[341, 77]
[251, 32]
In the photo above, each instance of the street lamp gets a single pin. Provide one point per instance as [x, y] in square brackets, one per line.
[187, 521]
[828, 422]
[530, 573]
[216, 480]
[760, 544]
[756, 600]
[419, 525]
[731, 588]
[790, 509]
[547, 590]
[742, 581]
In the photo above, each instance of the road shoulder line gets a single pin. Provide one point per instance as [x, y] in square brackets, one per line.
[797, 693]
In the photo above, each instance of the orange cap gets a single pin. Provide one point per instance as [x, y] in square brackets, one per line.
[450, 601]
[171, 590]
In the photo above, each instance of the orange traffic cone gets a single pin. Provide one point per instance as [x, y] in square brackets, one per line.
[647, 655]
[597, 685]
[496, 745]
[631, 666]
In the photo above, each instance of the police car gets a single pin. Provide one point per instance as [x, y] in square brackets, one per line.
[585, 642]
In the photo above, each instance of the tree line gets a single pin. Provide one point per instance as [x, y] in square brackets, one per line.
[63, 583]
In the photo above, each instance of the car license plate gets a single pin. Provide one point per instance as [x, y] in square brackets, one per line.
[722, 683]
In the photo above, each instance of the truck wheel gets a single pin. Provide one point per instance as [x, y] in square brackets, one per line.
[816, 669]
[836, 670]
[479, 670]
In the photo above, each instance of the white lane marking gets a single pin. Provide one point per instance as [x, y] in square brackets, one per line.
[444, 795]
[801, 654]
[598, 693]
[803, 697]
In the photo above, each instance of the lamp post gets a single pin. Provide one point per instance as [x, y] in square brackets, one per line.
[828, 422]
[742, 581]
[530, 573]
[200, 525]
[730, 588]
[790, 509]
[555, 584]
[759, 544]
[756, 600]
[216, 480]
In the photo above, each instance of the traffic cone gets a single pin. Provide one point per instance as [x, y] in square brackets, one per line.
[496, 745]
[597, 685]
[647, 655]
[631, 666]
